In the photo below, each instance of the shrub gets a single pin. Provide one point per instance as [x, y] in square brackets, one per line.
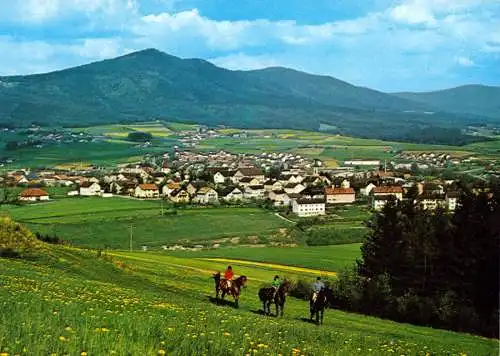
[15, 239]
[139, 136]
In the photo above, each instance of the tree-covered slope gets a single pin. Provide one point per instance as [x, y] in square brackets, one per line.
[151, 84]
[472, 99]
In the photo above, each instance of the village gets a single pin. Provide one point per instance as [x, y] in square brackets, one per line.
[284, 181]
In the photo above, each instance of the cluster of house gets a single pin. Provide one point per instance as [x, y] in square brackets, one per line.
[300, 184]
[430, 158]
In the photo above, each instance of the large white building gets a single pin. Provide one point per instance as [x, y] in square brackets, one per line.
[147, 191]
[90, 189]
[308, 207]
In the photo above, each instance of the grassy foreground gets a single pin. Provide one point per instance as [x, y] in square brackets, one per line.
[69, 301]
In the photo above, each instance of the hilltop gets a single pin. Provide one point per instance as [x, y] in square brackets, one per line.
[152, 84]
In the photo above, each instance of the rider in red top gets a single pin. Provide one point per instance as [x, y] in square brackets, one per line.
[229, 273]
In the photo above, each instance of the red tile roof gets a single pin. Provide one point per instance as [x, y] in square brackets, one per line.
[388, 190]
[338, 191]
[33, 192]
[148, 186]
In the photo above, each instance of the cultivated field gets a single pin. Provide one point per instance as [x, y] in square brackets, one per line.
[112, 147]
[70, 302]
[100, 223]
[324, 258]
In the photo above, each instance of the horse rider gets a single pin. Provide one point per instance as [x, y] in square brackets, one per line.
[276, 285]
[228, 276]
[316, 288]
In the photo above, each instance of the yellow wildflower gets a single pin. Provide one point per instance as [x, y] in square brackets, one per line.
[83, 353]
[4, 354]
[227, 334]
[161, 352]
[62, 338]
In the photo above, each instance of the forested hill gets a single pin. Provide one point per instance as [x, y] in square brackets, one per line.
[476, 99]
[151, 84]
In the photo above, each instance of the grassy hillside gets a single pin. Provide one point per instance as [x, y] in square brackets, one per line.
[99, 223]
[71, 302]
[165, 86]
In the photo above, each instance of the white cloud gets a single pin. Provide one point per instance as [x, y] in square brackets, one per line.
[41, 11]
[242, 61]
[465, 61]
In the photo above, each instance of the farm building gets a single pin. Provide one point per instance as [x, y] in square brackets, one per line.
[308, 207]
[90, 189]
[396, 191]
[33, 194]
[340, 195]
[146, 191]
[179, 196]
[206, 195]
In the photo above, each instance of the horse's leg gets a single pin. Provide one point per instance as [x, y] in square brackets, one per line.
[223, 294]
[282, 308]
[236, 302]
[322, 314]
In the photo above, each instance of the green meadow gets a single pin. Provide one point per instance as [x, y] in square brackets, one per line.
[106, 223]
[65, 301]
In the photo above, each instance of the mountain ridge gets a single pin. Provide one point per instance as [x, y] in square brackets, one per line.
[152, 84]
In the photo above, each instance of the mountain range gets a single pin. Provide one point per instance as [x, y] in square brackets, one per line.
[150, 84]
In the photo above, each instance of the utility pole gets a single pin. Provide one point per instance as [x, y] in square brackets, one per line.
[131, 236]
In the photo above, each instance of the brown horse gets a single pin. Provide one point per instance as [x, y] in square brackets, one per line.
[232, 288]
[266, 297]
[318, 306]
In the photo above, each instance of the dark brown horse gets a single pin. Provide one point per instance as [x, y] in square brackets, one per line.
[232, 288]
[318, 306]
[266, 297]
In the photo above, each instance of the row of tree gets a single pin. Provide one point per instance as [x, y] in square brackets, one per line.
[430, 267]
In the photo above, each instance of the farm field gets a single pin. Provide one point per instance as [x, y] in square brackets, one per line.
[105, 223]
[113, 148]
[68, 301]
[324, 258]
[80, 154]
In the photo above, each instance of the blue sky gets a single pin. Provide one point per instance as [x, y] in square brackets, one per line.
[392, 45]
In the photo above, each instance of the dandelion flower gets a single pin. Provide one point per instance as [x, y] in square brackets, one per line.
[83, 353]
[62, 338]
[161, 352]
[227, 334]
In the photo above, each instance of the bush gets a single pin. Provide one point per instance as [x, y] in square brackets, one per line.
[15, 239]
[331, 236]
[139, 136]
[300, 289]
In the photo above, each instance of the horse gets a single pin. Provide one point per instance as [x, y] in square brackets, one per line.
[266, 297]
[318, 306]
[233, 288]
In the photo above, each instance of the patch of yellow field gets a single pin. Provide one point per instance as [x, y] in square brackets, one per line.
[286, 136]
[330, 163]
[273, 265]
[117, 134]
[73, 165]
[313, 151]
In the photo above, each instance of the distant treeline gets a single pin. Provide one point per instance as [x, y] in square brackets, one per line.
[430, 267]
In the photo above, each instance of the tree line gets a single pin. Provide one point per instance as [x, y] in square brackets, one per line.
[432, 268]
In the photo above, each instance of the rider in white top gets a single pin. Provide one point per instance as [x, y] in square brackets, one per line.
[317, 287]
